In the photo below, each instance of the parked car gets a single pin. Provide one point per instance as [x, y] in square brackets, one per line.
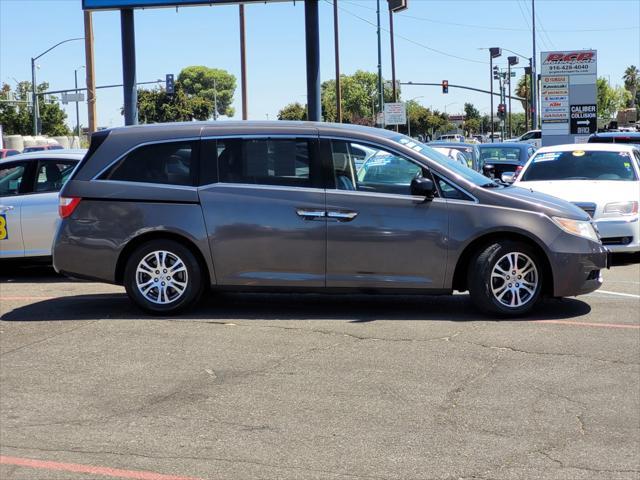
[615, 137]
[534, 137]
[453, 154]
[29, 186]
[42, 148]
[169, 210]
[602, 179]
[451, 137]
[8, 152]
[469, 150]
[497, 159]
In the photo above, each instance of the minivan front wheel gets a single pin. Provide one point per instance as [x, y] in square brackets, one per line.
[163, 277]
[505, 278]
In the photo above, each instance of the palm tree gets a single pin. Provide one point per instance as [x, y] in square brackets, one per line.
[630, 78]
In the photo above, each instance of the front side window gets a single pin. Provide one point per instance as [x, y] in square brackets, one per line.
[11, 179]
[171, 163]
[580, 165]
[265, 161]
[52, 174]
[382, 172]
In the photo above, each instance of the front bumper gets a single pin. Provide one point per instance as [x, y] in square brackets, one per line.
[576, 271]
[620, 234]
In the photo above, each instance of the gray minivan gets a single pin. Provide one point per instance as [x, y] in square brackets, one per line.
[170, 210]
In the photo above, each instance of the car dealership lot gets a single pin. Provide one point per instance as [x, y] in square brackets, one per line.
[308, 386]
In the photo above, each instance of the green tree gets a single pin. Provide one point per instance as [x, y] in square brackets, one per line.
[212, 84]
[522, 90]
[610, 99]
[631, 79]
[471, 112]
[157, 106]
[359, 95]
[16, 116]
[293, 111]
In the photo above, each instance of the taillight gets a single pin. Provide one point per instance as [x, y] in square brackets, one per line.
[517, 172]
[67, 205]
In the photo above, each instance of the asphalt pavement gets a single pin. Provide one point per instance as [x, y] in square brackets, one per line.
[252, 386]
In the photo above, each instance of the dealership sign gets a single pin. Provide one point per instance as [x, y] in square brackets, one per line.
[567, 95]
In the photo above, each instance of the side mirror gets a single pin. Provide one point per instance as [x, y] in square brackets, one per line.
[489, 170]
[423, 187]
[508, 177]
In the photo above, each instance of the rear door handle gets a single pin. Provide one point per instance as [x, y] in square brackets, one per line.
[342, 216]
[310, 214]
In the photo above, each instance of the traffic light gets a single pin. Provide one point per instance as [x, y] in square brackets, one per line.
[496, 73]
[445, 86]
[170, 84]
[502, 110]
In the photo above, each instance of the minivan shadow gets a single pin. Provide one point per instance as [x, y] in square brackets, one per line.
[253, 306]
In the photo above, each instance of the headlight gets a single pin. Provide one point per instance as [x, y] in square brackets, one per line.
[621, 208]
[581, 228]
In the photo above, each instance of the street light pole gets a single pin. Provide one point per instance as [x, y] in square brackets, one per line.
[75, 74]
[380, 86]
[534, 72]
[34, 88]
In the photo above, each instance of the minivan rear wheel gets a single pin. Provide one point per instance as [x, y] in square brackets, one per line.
[163, 277]
[505, 278]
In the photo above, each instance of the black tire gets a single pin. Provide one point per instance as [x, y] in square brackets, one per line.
[521, 299]
[192, 276]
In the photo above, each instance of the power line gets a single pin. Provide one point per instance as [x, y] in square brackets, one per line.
[488, 27]
[406, 39]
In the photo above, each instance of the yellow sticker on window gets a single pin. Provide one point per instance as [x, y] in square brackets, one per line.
[578, 153]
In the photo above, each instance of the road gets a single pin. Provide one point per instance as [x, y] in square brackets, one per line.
[316, 387]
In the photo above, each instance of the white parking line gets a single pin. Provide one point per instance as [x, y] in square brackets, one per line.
[607, 292]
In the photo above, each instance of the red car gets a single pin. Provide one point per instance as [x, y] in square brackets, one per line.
[7, 152]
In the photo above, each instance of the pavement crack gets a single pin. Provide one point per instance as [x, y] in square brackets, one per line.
[69, 330]
[529, 352]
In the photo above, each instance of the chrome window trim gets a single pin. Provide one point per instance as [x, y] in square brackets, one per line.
[127, 152]
[260, 186]
[149, 184]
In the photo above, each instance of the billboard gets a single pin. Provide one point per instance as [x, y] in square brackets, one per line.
[117, 4]
[567, 94]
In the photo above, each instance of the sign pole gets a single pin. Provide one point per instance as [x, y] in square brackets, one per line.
[90, 71]
[129, 67]
[243, 64]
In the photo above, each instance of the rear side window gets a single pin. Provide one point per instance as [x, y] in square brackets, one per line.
[52, 174]
[171, 163]
[265, 161]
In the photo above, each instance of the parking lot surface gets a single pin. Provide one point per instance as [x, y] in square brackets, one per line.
[253, 386]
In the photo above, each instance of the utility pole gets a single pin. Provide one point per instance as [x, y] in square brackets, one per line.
[34, 97]
[336, 42]
[380, 86]
[75, 74]
[494, 52]
[534, 71]
[243, 64]
[513, 60]
[215, 100]
[90, 71]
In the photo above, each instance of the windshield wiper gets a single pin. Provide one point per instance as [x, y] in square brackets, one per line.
[490, 185]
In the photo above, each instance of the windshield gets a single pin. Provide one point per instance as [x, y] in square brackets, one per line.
[494, 154]
[580, 165]
[457, 168]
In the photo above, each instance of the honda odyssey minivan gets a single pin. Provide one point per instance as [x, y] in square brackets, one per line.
[173, 210]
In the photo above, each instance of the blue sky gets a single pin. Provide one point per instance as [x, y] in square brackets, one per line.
[168, 40]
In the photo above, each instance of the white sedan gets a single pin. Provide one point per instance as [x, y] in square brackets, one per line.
[29, 186]
[602, 179]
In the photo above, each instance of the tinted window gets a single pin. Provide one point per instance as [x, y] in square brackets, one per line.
[500, 154]
[52, 174]
[622, 138]
[11, 153]
[449, 191]
[382, 172]
[11, 178]
[167, 163]
[265, 161]
[580, 165]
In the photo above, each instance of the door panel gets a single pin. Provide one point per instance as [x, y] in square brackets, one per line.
[266, 236]
[10, 230]
[39, 217]
[378, 234]
[393, 241]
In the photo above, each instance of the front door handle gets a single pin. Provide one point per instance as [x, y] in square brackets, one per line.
[310, 214]
[342, 216]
